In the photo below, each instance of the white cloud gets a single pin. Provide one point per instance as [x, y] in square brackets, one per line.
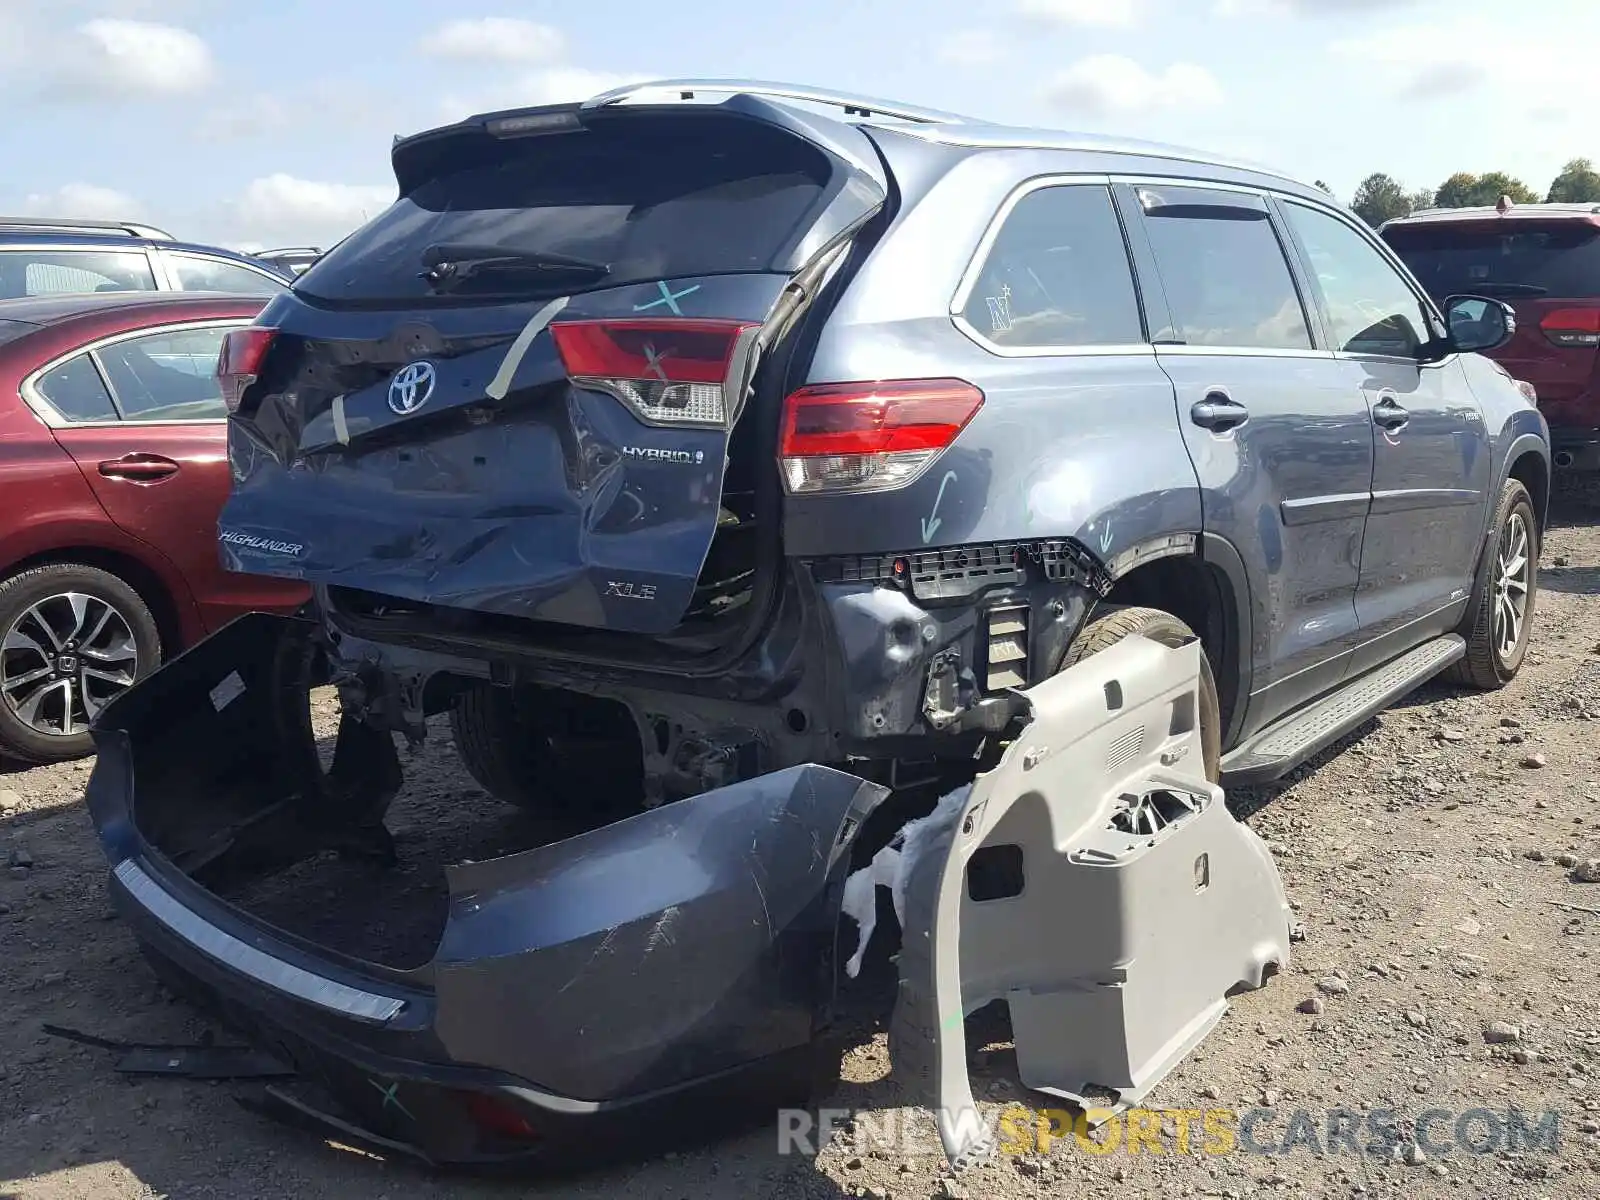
[1307, 8]
[326, 105]
[1106, 85]
[85, 201]
[1106, 14]
[283, 208]
[496, 40]
[120, 58]
[971, 48]
[556, 85]
[1530, 71]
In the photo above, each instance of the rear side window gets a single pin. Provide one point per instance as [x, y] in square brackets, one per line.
[1057, 275]
[1225, 274]
[76, 391]
[213, 275]
[166, 376]
[59, 272]
[1509, 258]
[647, 200]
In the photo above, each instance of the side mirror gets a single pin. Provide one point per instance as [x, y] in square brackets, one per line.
[1479, 323]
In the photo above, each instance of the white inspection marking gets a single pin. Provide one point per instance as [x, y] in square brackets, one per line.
[501, 383]
[226, 692]
[341, 431]
[931, 522]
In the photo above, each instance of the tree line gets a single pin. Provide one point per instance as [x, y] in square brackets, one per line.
[1381, 197]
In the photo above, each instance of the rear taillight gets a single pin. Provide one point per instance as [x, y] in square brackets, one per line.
[870, 437]
[668, 371]
[239, 361]
[1528, 390]
[1572, 326]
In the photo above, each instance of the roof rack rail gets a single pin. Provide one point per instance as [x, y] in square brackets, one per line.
[287, 250]
[853, 105]
[74, 225]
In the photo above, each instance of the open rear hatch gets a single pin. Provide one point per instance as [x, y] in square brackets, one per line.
[519, 390]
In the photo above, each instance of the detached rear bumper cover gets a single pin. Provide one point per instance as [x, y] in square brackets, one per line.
[691, 946]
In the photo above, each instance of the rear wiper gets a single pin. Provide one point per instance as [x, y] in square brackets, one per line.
[449, 263]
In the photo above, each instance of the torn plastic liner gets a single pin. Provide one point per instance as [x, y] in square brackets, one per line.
[1096, 882]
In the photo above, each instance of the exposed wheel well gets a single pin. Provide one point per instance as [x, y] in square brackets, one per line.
[132, 572]
[1200, 596]
[1531, 471]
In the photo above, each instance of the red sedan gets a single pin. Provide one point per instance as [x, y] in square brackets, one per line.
[113, 467]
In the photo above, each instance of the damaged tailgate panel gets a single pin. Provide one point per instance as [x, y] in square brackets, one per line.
[1134, 902]
[519, 437]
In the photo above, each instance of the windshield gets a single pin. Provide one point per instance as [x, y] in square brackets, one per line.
[1559, 259]
[650, 200]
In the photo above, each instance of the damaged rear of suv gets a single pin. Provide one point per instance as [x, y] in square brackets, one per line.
[738, 481]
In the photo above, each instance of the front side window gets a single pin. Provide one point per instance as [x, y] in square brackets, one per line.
[65, 272]
[1058, 275]
[1224, 271]
[169, 376]
[214, 275]
[1370, 308]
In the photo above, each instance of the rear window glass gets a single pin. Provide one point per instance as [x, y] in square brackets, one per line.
[60, 272]
[650, 200]
[1507, 259]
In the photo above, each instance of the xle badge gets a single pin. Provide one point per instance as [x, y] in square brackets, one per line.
[630, 591]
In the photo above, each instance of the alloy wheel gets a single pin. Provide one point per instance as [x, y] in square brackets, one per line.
[1513, 576]
[64, 659]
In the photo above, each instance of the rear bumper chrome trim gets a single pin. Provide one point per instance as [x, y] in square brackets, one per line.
[258, 965]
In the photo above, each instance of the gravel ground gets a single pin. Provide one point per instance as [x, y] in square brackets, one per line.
[1449, 962]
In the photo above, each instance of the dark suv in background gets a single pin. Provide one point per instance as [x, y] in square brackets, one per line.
[1544, 261]
[44, 257]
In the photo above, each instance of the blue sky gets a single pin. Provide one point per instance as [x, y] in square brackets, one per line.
[270, 122]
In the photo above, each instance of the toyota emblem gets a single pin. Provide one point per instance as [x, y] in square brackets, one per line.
[411, 387]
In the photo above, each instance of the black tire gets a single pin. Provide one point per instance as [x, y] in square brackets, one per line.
[551, 754]
[1490, 663]
[41, 586]
[1109, 624]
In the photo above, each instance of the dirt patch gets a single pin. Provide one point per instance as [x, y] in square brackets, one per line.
[1451, 963]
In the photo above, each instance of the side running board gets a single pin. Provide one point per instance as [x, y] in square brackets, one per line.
[1279, 748]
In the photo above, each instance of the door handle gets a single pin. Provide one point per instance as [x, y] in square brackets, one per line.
[1388, 414]
[1219, 413]
[139, 468]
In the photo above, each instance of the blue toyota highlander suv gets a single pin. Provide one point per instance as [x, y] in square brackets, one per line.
[727, 457]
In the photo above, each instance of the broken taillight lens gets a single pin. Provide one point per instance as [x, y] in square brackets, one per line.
[668, 371]
[1572, 327]
[239, 361]
[868, 437]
